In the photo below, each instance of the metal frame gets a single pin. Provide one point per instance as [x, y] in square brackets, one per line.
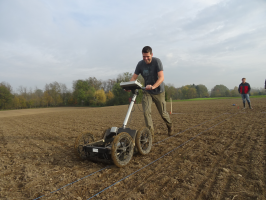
[133, 86]
[101, 150]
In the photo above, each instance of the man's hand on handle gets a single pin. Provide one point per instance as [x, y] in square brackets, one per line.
[148, 87]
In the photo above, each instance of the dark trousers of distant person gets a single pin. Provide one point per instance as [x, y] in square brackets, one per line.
[244, 98]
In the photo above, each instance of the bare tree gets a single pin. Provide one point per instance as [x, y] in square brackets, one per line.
[108, 85]
[94, 82]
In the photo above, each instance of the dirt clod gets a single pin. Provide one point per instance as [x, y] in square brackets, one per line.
[226, 170]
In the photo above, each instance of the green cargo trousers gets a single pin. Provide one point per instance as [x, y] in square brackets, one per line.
[159, 100]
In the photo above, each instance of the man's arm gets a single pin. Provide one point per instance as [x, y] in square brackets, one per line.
[134, 77]
[158, 82]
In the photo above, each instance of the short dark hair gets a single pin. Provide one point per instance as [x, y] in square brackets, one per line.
[243, 78]
[147, 49]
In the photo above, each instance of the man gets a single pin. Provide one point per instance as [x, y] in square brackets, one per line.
[244, 89]
[151, 69]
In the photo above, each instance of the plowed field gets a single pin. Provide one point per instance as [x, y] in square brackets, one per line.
[219, 152]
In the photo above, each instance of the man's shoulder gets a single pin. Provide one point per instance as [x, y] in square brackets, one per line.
[156, 59]
[157, 62]
[141, 62]
[246, 83]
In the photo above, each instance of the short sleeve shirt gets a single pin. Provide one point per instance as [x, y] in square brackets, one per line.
[150, 73]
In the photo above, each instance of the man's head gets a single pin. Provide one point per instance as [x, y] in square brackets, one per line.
[243, 80]
[147, 54]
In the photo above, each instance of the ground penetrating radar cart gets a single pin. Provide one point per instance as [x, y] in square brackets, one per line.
[118, 144]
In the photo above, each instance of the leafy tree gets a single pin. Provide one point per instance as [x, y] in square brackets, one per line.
[180, 94]
[121, 96]
[202, 91]
[227, 93]
[30, 103]
[109, 95]
[37, 96]
[55, 92]
[59, 100]
[234, 92]
[220, 91]
[72, 101]
[257, 91]
[170, 91]
[83, 92]
[184, 90]
[65, 94]
[38, 92]
[7, 85]
[46, 99]
[16, 103]
[100, 97]
[22, 101]
[191, 93]
[5, 97]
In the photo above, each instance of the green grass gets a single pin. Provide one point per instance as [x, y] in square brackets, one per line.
[258, 96]
[215, 98]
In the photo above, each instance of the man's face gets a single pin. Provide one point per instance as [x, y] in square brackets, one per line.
[243, 80]
[147, 57]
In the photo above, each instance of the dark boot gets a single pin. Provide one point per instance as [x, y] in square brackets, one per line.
[249, 105]
[244, 105]
[170, 129]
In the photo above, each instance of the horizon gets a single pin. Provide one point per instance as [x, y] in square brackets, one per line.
[16, 91]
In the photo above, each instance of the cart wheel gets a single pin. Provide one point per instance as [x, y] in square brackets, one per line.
[82, 139]
[122, 149]
[144, 141]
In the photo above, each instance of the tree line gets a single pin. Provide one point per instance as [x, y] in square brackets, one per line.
[88, 92]
[201, 91]
[95, 92]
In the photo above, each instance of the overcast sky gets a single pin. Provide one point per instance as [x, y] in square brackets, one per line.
[208, 42]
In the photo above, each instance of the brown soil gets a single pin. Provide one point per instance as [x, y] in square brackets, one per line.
[19, 112]
[227, 161]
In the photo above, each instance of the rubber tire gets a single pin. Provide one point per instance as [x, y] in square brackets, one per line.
[114, 149]
[83, 139]
[139, 141]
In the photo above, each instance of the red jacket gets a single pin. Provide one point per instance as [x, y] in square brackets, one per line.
[244, 88]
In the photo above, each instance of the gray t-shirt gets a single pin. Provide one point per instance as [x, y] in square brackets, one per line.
[150, 73]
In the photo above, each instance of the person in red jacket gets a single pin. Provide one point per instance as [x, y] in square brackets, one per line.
[244, 89]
